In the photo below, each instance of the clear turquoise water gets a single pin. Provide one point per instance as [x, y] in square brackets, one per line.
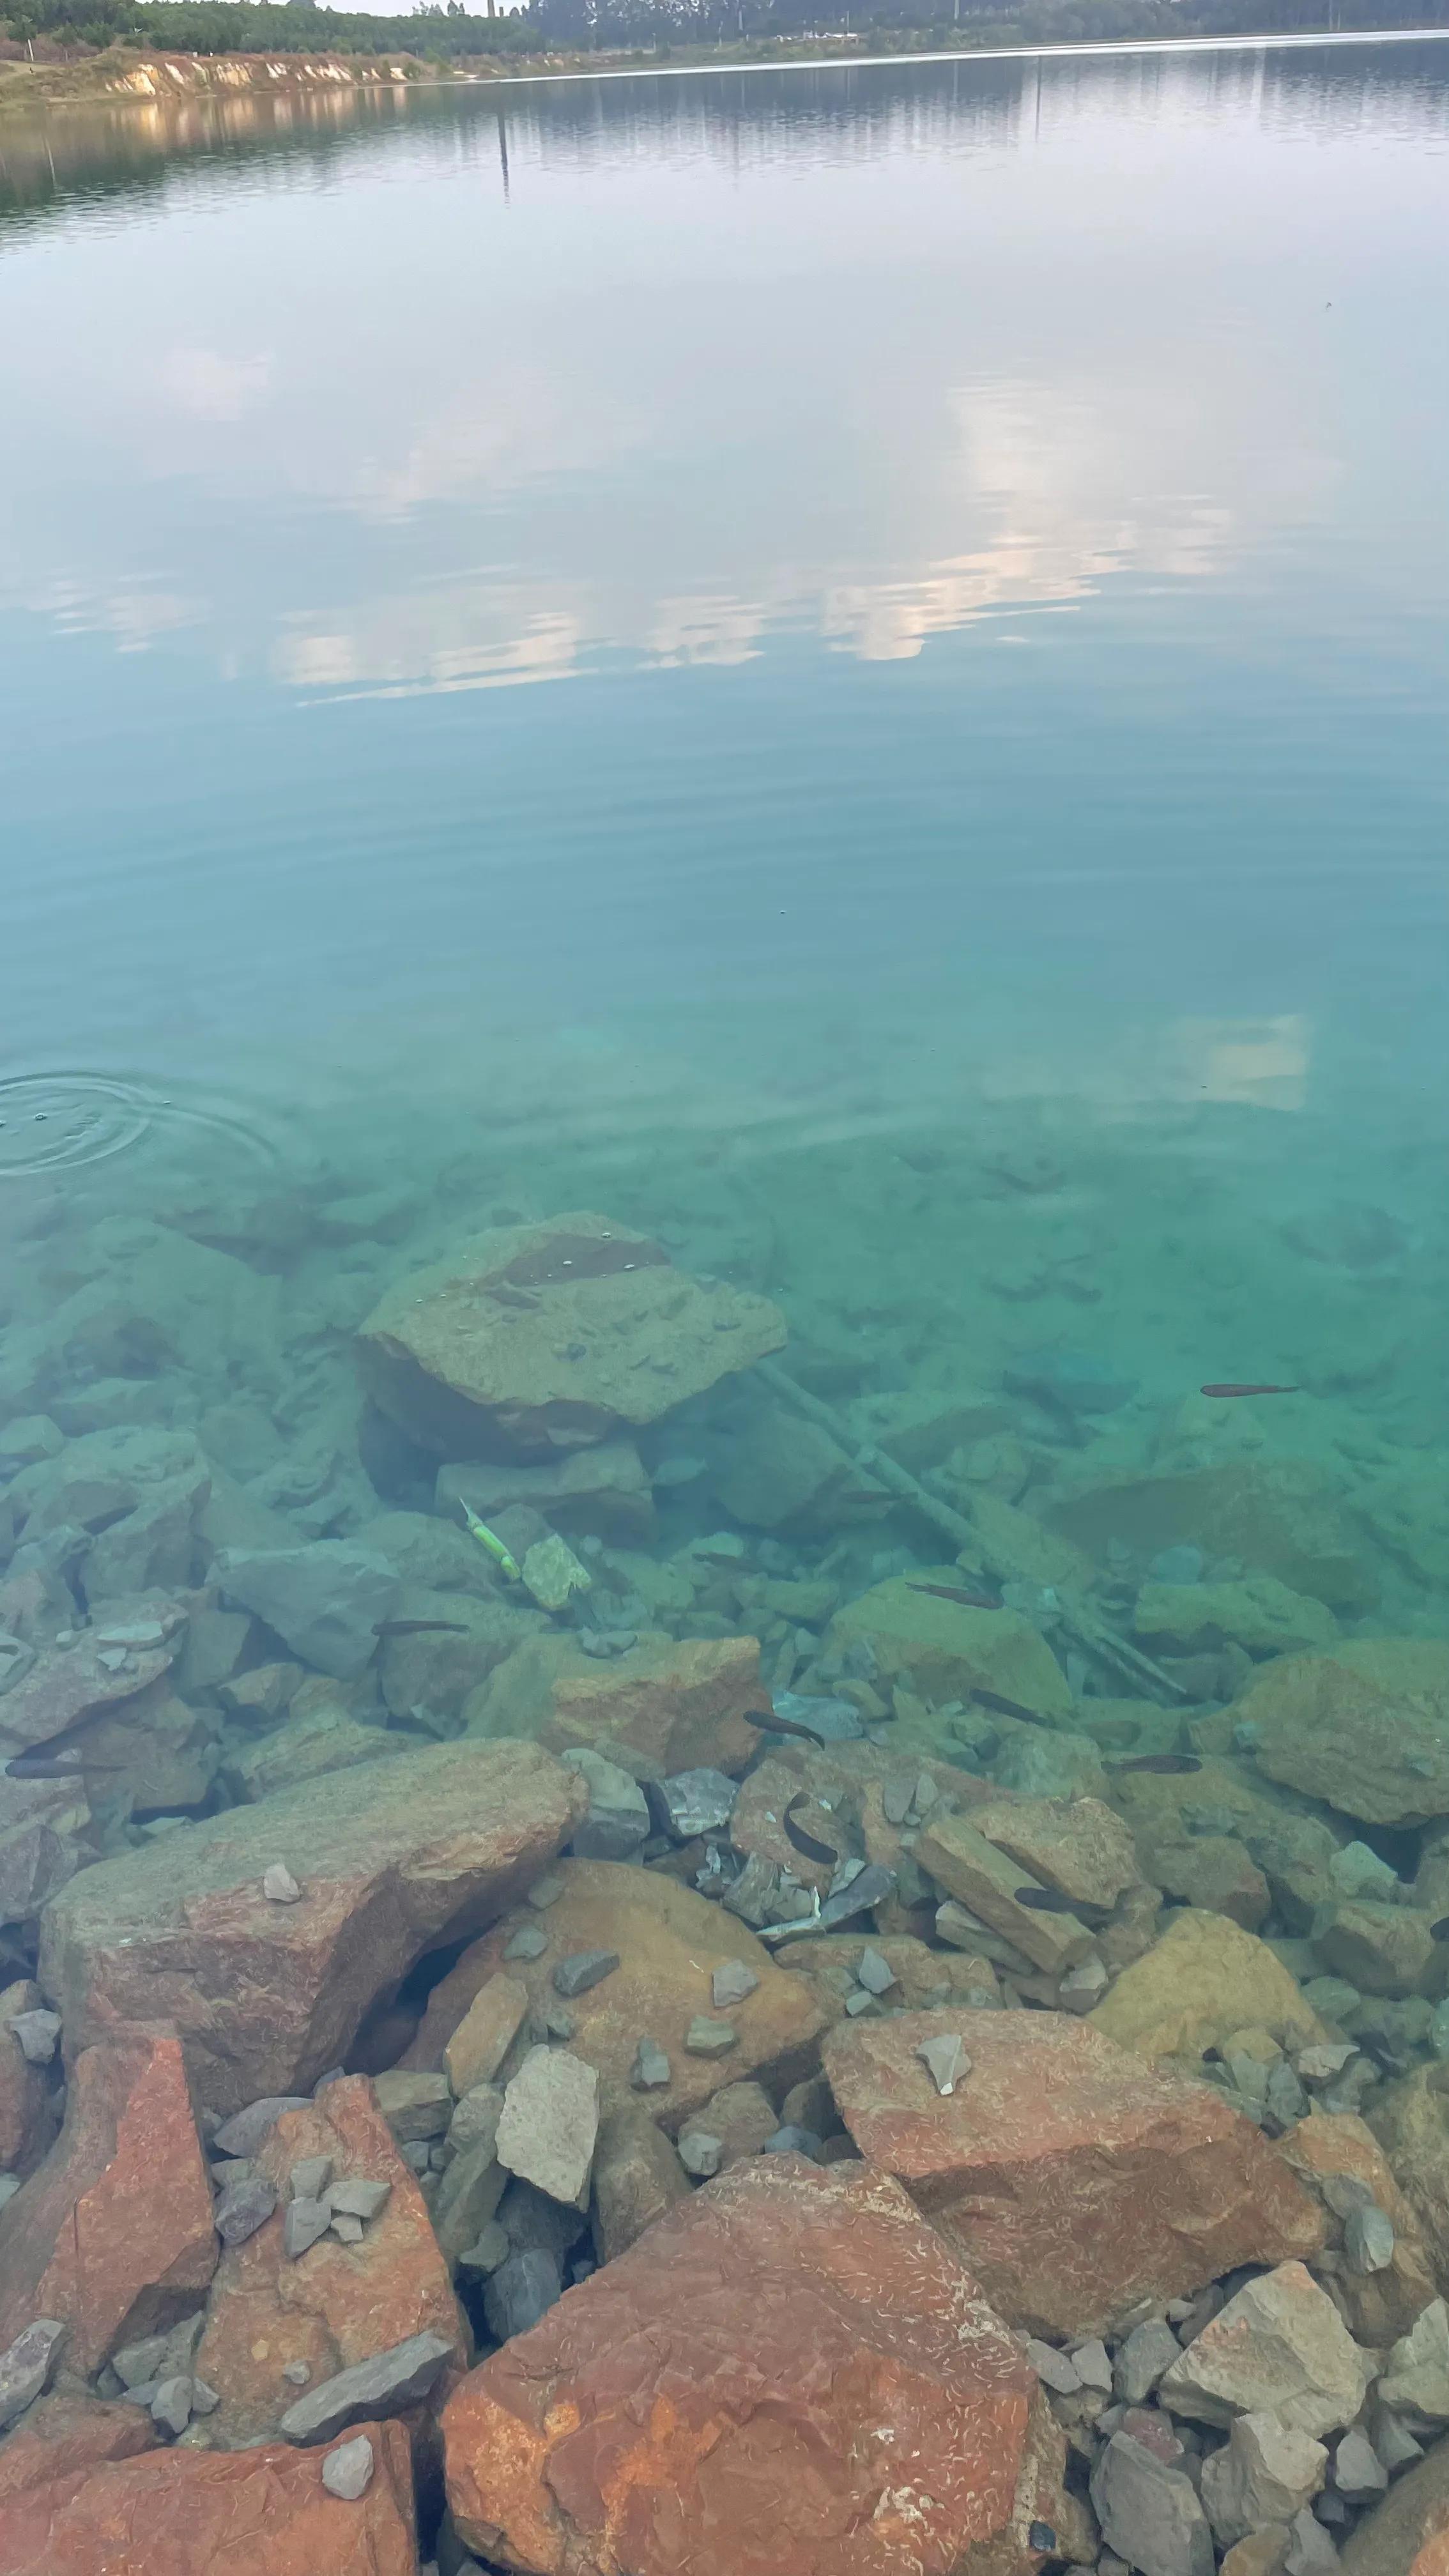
[812, 634]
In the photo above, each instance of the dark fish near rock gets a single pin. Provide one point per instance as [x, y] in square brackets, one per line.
[420, 1628]
[1249, 1390]
[49, 1762]
[1007, 1707]
[1050, 1900]
[954, 1592]
[1167, 1766]
[808, 1845]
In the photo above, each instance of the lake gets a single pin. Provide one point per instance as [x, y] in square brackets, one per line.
[844, 667]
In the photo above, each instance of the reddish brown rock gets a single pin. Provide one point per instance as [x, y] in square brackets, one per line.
[113, 2232]
[63, 2438]
[26, 2123]
[680, 1701]
[788, 2375]
[1365, 1726]
[1073, 2179]
[337, 2304]
[217, 2513]
[1077, 1845]
[553, 1336]
[392, 1858]
[69, 1683]
[669, 1941]
[924, 1978]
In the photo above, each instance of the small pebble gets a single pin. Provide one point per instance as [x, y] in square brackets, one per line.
[347, 2471]
[546, 1891]
[356, 2197]
[650, 2069]
[1054, 2369]
[582, 1969]
[171, 2405]
[309, 2177]
[700, 2154]
[347, 2228]
[204, 2398]
[731, 1984]
[861, 2002]
[529, 1942]
[1093, 2365]
[492, 2248]
[706, 2038]
[299, 2372]
[279, 1885]
[1368, 2239]
[792, 2140]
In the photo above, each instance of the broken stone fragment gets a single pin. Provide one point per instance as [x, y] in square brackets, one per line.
[37, 2034]
[347, 2471]
[357, 2197]
[698, 1802]
[26, 2368]
[706, 2037]
[1279, 2347]
[550, 2122]
[1057, 2370]
[944, 2057]
[309, 2177]
[1264, 2473]
[553, 1574]
[347, 2229]
[243, 2133]
[700, 2153]
[171, 2404]
[379, 2386]
[529, 1942]
[731, 1984]
[650, 2069]
[304, 2222]
[521, 2291]
[486, 2033]
[1150, 2513]
[243, 2207]
[874, 1972]
[1368, 2239]
[585, 1968]
[279, 1886]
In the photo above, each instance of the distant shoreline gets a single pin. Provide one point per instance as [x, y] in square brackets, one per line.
[128, 76]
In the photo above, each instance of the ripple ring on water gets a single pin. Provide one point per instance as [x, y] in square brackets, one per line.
[51, 1121]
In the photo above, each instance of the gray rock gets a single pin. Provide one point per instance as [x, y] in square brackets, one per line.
[171, 2405]
[1265, 2472]
[731, 1984]
[242, 2208]
[491, 2249]
[1368, 2239]
[324, 1600]
[651, 2069]
[9, 2185]
[708, 2038]
[873, 1972]
[25, 2368]
[945, 2060]
[583, 1969]
[1150, 2513]
[793, 2140]
[243, 2133]
[309, 2177]
[550, 2123]
[862, 2001]
[869, 1887]
[476, 2118]
[1094, 2366]
[36, 2034]
[279, 1887]
[469, 2192]
[1416, 2374]
[1358, 2472]
[529, 1942]
[347, 2471]
[700, 2153]
[204, 2398]
[357, 2197]
[1148, 2351]
[1056, 2369]
[521, 2291]
[1070, 1382]
[298, 2373]
[547, 1890]
[1310, 2551]
[135, 2363]
[1394, 2443]
[617, 1824]
[347, 2229]
[1279, 2347]
[698, 1802]
[303, 2223]
[390, 2380]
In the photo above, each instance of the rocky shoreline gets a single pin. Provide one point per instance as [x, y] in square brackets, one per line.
[583, 1991]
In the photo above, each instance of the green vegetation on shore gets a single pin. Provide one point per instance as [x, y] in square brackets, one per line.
[451, 34]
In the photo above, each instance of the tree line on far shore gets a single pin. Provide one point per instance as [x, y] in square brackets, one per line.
[446, 31]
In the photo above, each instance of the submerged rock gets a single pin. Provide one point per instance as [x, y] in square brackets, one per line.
[554, 1336]
[1283, 1517]
[945, 1650]
[752, 2331]
[1076, 2181]
[1365, 1727]
[1202, 1981]
[267, 1997]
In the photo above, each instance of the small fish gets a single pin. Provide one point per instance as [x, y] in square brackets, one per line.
[49, 1762]
[809, 1845]
[1166, 1765]
[774, 1725]
[419, 1628]
[1440, 1931]
[1250, 1390]
[1007, 1707]
[1047, 1900]
[489, 1539]
[954, 1592]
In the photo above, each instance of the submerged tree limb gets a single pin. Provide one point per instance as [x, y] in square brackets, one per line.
[1080, 1623]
